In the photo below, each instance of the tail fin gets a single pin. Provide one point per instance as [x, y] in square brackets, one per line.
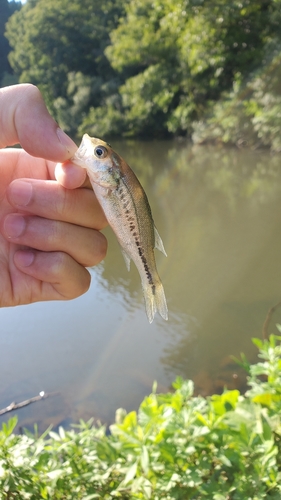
[155, 300]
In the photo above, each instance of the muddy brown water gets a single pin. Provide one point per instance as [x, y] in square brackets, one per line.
[219, 214]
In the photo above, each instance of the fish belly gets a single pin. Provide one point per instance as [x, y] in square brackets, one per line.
[124, 221]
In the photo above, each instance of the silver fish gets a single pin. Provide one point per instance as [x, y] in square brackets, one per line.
[127, 210]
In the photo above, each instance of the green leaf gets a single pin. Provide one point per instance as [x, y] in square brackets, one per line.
[225, 460]
[8, 428]
[90, 497]
[54, 436]
[130, 473]
[61, 432]
[55, 474]
[144, 459]
[264, 399]
[258, 342]
[154, 387]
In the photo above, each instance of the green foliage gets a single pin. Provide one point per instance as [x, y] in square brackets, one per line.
[59, 46]
[191, 52]
[158, 68]
[251, 113]
[177, 446]
[6, 10]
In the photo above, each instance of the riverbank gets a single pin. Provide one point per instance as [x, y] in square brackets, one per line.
[176, 446]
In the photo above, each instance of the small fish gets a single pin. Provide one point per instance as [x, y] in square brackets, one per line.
[127, 210]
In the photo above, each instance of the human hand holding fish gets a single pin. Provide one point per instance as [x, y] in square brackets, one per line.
[128, 212]
[49, 230]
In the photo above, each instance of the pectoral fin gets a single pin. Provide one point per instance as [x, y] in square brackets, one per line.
[127, 259]
[159, 242]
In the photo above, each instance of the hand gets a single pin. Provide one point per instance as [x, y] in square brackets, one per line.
[49, 230]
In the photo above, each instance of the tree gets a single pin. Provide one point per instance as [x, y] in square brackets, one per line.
[140, 67]
[188, 54]
[6, 10]
[57, 40]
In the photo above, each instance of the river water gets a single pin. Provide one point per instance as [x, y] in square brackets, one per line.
[218, 212]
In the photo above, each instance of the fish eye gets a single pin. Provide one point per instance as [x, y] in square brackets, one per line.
[100, 151]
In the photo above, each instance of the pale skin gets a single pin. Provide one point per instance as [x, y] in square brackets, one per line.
[50, 220]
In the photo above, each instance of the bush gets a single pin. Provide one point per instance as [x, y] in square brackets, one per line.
[251, 113]
[178, 446]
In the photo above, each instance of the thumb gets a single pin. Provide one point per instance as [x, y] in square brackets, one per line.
[24, 119]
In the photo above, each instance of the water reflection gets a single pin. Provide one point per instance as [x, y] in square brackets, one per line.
[218, 212]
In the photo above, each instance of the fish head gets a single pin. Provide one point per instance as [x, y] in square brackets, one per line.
[101, 162]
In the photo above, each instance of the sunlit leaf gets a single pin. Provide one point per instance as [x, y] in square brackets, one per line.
[144, 459]
[131, 473]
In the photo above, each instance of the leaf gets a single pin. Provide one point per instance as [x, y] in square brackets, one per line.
[130, 473]
[55, 474]
[202, 419]
[177, 384]
[267, 430]
[54, 436]
[9, 427]
[61, 432]
[130, 420]
[264, 399]
[154, 387]
[90, 497]
[225, 460]
[144, 459]
[258, 342]
[167, 455]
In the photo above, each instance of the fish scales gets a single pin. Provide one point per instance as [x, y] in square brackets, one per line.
[128, 212]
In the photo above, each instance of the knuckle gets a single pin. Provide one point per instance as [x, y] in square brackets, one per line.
[102, 247]
[84, 283]
[78, 278]
[97, 250]
[58, 264]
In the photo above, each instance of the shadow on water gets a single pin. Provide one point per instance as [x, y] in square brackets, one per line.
[218, 212]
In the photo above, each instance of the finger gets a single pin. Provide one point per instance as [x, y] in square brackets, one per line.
[86, 246]
[59, 276]
[25, 119]
[51, 200]
[71, 176]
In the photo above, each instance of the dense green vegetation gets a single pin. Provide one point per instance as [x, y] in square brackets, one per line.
[178, 446]
[204, 69]
[6, 10]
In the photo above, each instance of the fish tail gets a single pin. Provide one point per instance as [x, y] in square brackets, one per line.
[155, 300]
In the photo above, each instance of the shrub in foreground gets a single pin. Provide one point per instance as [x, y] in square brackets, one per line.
[177, 446]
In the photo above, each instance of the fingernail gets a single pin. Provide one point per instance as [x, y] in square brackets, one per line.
[66, 141]
[24, 258]
[14, 225]
[20, 193]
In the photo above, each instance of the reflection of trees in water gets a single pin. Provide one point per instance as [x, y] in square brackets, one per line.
[181, 352]
[116, 282]
[236, 174]
[200, 196]
[183, 356]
